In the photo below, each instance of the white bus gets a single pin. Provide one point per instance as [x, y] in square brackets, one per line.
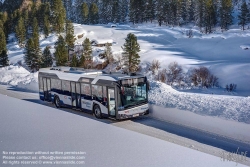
[113, 95]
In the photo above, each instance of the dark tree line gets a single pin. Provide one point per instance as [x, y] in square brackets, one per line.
[206, 14]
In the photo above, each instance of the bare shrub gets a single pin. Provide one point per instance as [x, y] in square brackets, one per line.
[202, 77]
[189, 33]
[174, 73]
[231, 87]
[155, 65]
[213, 80]
[161, 76]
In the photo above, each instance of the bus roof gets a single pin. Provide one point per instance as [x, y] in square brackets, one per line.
[74, 74]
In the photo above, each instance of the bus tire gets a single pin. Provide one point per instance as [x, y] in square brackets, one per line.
[97, 111]
[57, 102]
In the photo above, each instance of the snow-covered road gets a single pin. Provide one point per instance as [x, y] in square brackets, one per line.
[171, 132]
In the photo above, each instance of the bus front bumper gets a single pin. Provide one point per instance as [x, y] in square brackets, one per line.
[125, 116]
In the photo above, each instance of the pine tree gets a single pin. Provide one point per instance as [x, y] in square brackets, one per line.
[61, 53]
[78, 11]
[44, 18]
[26, 22]
[93, 14]
[68, 7]
[190, 10]
[4, 21]
[3, 50]
[4, 61]
[108, 53]
[244, 16]
[70, 38]
[33, 56]
[35, 33]
[137, 9]
[46, 28]
[81, 61]
[2, 40]
[87, 52]
[161, 12]
[47, 60]
[74, 61]
[29, 53]
[85, 13]
[226, 17]
[37, 59]
[115, 14]
[209, 16]
[199, 13]
[20, 32]
[150, 10]
[123, 8]
[59, 16]
[130, 53]
[105, 11]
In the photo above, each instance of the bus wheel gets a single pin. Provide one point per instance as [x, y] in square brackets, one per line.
[97, 112]
[57, 102]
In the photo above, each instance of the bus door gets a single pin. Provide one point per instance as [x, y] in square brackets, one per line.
[46, 89]
[78, 95]
[75, 94]
[111, 101]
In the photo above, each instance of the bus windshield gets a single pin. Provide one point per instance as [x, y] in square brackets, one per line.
[133, 92]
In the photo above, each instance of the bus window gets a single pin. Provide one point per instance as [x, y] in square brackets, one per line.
[66, 88]
[56, 85]
[40, 84]
[97, 91]
[85, 89]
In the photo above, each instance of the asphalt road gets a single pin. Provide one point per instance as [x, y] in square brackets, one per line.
[223, 147]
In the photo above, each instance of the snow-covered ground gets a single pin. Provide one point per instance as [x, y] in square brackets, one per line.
[35, 127]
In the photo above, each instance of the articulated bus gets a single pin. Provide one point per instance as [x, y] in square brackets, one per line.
[114, 95]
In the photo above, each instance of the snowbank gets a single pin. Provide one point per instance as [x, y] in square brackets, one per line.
[19, 77]
[225, 107]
